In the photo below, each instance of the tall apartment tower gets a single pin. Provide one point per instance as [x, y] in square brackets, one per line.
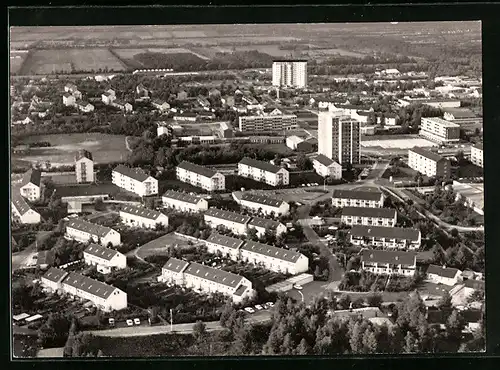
[291, 73]
[84, 166]
[339, 137]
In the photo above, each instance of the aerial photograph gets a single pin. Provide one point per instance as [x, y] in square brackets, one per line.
[246, 190]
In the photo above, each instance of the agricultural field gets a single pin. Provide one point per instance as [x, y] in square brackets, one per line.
[68, 60]
[104, 148]
[16, 60]
[326, 53]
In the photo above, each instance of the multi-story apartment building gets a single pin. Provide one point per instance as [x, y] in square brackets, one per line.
[83, 231]
[135, 180]
[22, 212]
[389, 262]
[476, 154]
[385, 237]
[142, 217]
[428, 163]
[84, 166]
[105, 259]
[439, 130]
[357, 198]
[200, 176]
[31, 186]
[267, 122]
[327, 167]
[206, 279]
[184, 202]
[235, 222]
[263, 172]
[263, 204]
[228, 246]
[105, 297]
[262, 224]
[339, 137]
[273, 258]
[290, 73]
[369, 216]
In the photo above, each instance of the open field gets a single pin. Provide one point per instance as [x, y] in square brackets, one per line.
[326, 53]
[406, 143]
[160, 246]
[16, 60]
[68, 60]
[104, 148]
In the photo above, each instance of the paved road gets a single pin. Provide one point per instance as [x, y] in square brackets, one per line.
[137, 331]
[21, 259]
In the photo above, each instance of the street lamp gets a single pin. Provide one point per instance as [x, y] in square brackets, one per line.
[324, 183]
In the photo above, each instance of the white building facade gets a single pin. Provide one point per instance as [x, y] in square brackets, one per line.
[389, 262]
[290, 73]
[369, 216]
[327, 167]
[135, 180]
[356, 198]
[263, 172]
[105, 259]
[135, 216]
[83, 231]
[184, 202]
[200, 176]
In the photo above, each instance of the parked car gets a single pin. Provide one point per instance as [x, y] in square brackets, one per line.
[137, 321]
[130, 322]
[111, 321]
[249, 309]
[298, 287]
[270, 304]
[258, 307]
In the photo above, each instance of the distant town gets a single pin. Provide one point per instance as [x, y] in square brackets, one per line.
[275, 209]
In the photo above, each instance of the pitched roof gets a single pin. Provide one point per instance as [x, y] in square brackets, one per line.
[55, 275]
[357, 194]
[260, 199]
[45, 257]
[479, 146]
[385, 232]
[134, 173]
[175, 265]
[427, 154]
[460, 112]
[33, 176]
[228, 215]
[215, 275]
[225, 241]
[266, 166]
[20, 203]
[239, 292]
[200, 170]
[397, 257]
[474, 284]
[270, 251]
[142, 212]
[324, 160]
[369, 212]
[183, 197]
[263, 222]
[101, 252]
[89, 285]
[442, 271]
[82, 153]
[93, 229]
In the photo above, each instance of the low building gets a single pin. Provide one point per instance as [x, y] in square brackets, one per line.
[124, 106]
[477, 155]
[52, 279]
[160, 105]
[69, 100]
[226, 130]
[184, 202]
[200, 176]
[297, 143]
[105, 297]
[390, 119]
[472, 195]
[461, 293]
[187, 117]
[142, 217]
[108, 97]
[389, 262]
[22, 212]
[428, 163]
[439, 130]
[206, 279]
[262, 224]
[235, 222]
[105, 259]
[369, 216]
[327, 167]
[443, 275]
[385, 237]
[228, 246]
[85, 107]
[263, 172]
[357, 198]
[451, 114]
[84, 231]
[263, 204]
[134, 180]
[273, 258]
[182, 95]
[31, 186]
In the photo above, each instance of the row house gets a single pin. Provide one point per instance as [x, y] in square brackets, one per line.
[262, 224]
[263, 204]
[357, 198]
[369, 216]
[206, 279]
[385, 237]
[263, 172]
[200, 176]
[184, 202]
[84, 231]
[134, 180]
[235, 222]
[22, 212]
[326, 167]
[389, 262]
[105, 259]
[228, 246]
[142, 217]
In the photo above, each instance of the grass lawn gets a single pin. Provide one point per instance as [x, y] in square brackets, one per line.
[161, 245]
[468, 170]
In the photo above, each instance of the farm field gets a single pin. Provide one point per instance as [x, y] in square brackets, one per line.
[16, 60]
[333, 52]
[398, 143]
[104, 148]
[68, 60]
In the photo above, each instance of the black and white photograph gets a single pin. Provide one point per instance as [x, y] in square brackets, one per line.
[302, 189]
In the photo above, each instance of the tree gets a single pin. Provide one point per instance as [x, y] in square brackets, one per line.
[54, 331]
[370, 342]
[445, 301]
[303, 348]
[252, 234]
[344, 301]
[410, 344]
[374, 300]
[99, 204]
[454, 326]
[199, 330]
[226, 313]
[303, 162]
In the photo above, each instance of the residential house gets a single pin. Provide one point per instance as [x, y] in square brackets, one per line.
[262, 224]
[228, 246]
[263, 204]
[385, 237]
[389, 262]
[357, 198]
[69, 100]
[31, 185]
[52, 279]
[70, 88]
[443, 275]
[390, 119]
[134, 180]
[226, 130]
[85, 107]
[160, 105]
[108, 97]
[140, 90]
[369, 216]
[142, 217]
[233, 221]
[184, 202]
[84, 231]
[327, 167]
[22, 212]
[461, 293]
[263, 172]
[120, 104]
[105, 259]
[200, 176]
